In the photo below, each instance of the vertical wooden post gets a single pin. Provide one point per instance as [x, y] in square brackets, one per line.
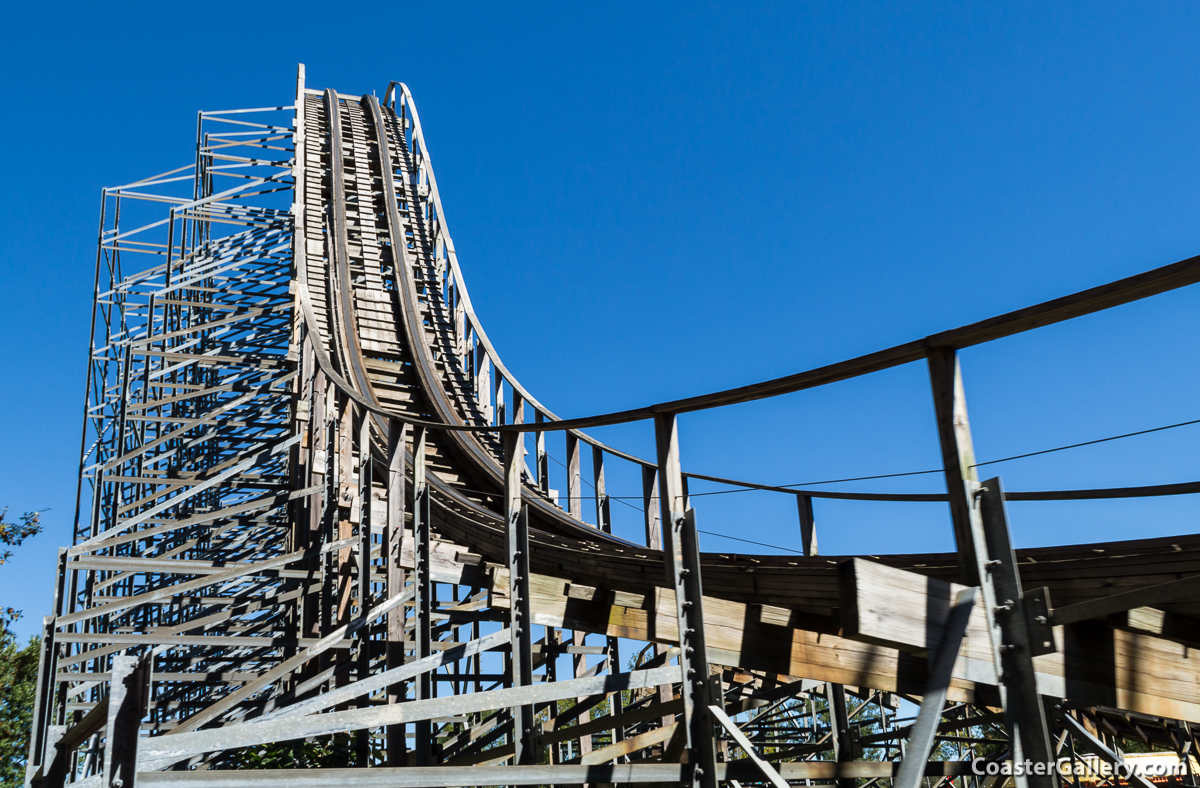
[424, 592]
[808, 525]
[574, 491]
[958, 452]
[614, 666]
[520, 614]
[501, 413]
[839, 726]
[1022, 704]
[682, 562]
[393, 541]
[654, 542]
[39, 749]
[346, 498]
[483, 384]
[518, 411]
[603, 505]
[328, 523]
[986, 560]
[518, 417]
[650, 504]
[364, 514]
[318, 473]
[581, 669]
[363, 644]
[128, 701]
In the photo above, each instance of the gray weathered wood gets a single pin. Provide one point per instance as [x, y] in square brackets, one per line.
[682, 561]
[920, 740]
[129, 699]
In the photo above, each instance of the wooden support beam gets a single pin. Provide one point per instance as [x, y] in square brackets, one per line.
[212, 576]
[986, 560]
[129, 700]
[654, 540]
[364, 687]
[897, 608]
[639, 714]
[333, 640]
[920, 740]
[163, 750]
[839, 727]
[39, 750]
[808, 525]
[58, 753]
[520, 614]
[1022, 701]
[1106, 754]
[393, 540]
[423, 590]
[627, 747]
[363, 579]
[615, 698]
[751, 751]
[581, 671]
[681, 552]
[958, 452]
[1146, 674]
[349, 499]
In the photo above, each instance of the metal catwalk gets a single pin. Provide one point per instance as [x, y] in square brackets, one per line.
[316, 541]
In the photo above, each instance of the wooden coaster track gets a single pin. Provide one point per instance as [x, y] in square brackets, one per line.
[309, 536]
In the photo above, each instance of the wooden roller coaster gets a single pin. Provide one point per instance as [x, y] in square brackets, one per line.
[316, 541]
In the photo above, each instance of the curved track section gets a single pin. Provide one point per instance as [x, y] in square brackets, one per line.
[310, 534]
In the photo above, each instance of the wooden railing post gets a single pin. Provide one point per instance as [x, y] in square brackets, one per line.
[574, 491]
[986, 560]
[651, 506]
[808, 525]
[603, 505]
[958, 453]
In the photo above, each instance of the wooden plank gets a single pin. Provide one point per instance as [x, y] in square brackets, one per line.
[631, 745]
[905, 610]
[1148, 675]
[160, 751]
[602, 774]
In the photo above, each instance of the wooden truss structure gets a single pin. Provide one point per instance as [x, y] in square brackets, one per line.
[315, 529]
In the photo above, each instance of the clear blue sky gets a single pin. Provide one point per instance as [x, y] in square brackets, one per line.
[651, 201]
